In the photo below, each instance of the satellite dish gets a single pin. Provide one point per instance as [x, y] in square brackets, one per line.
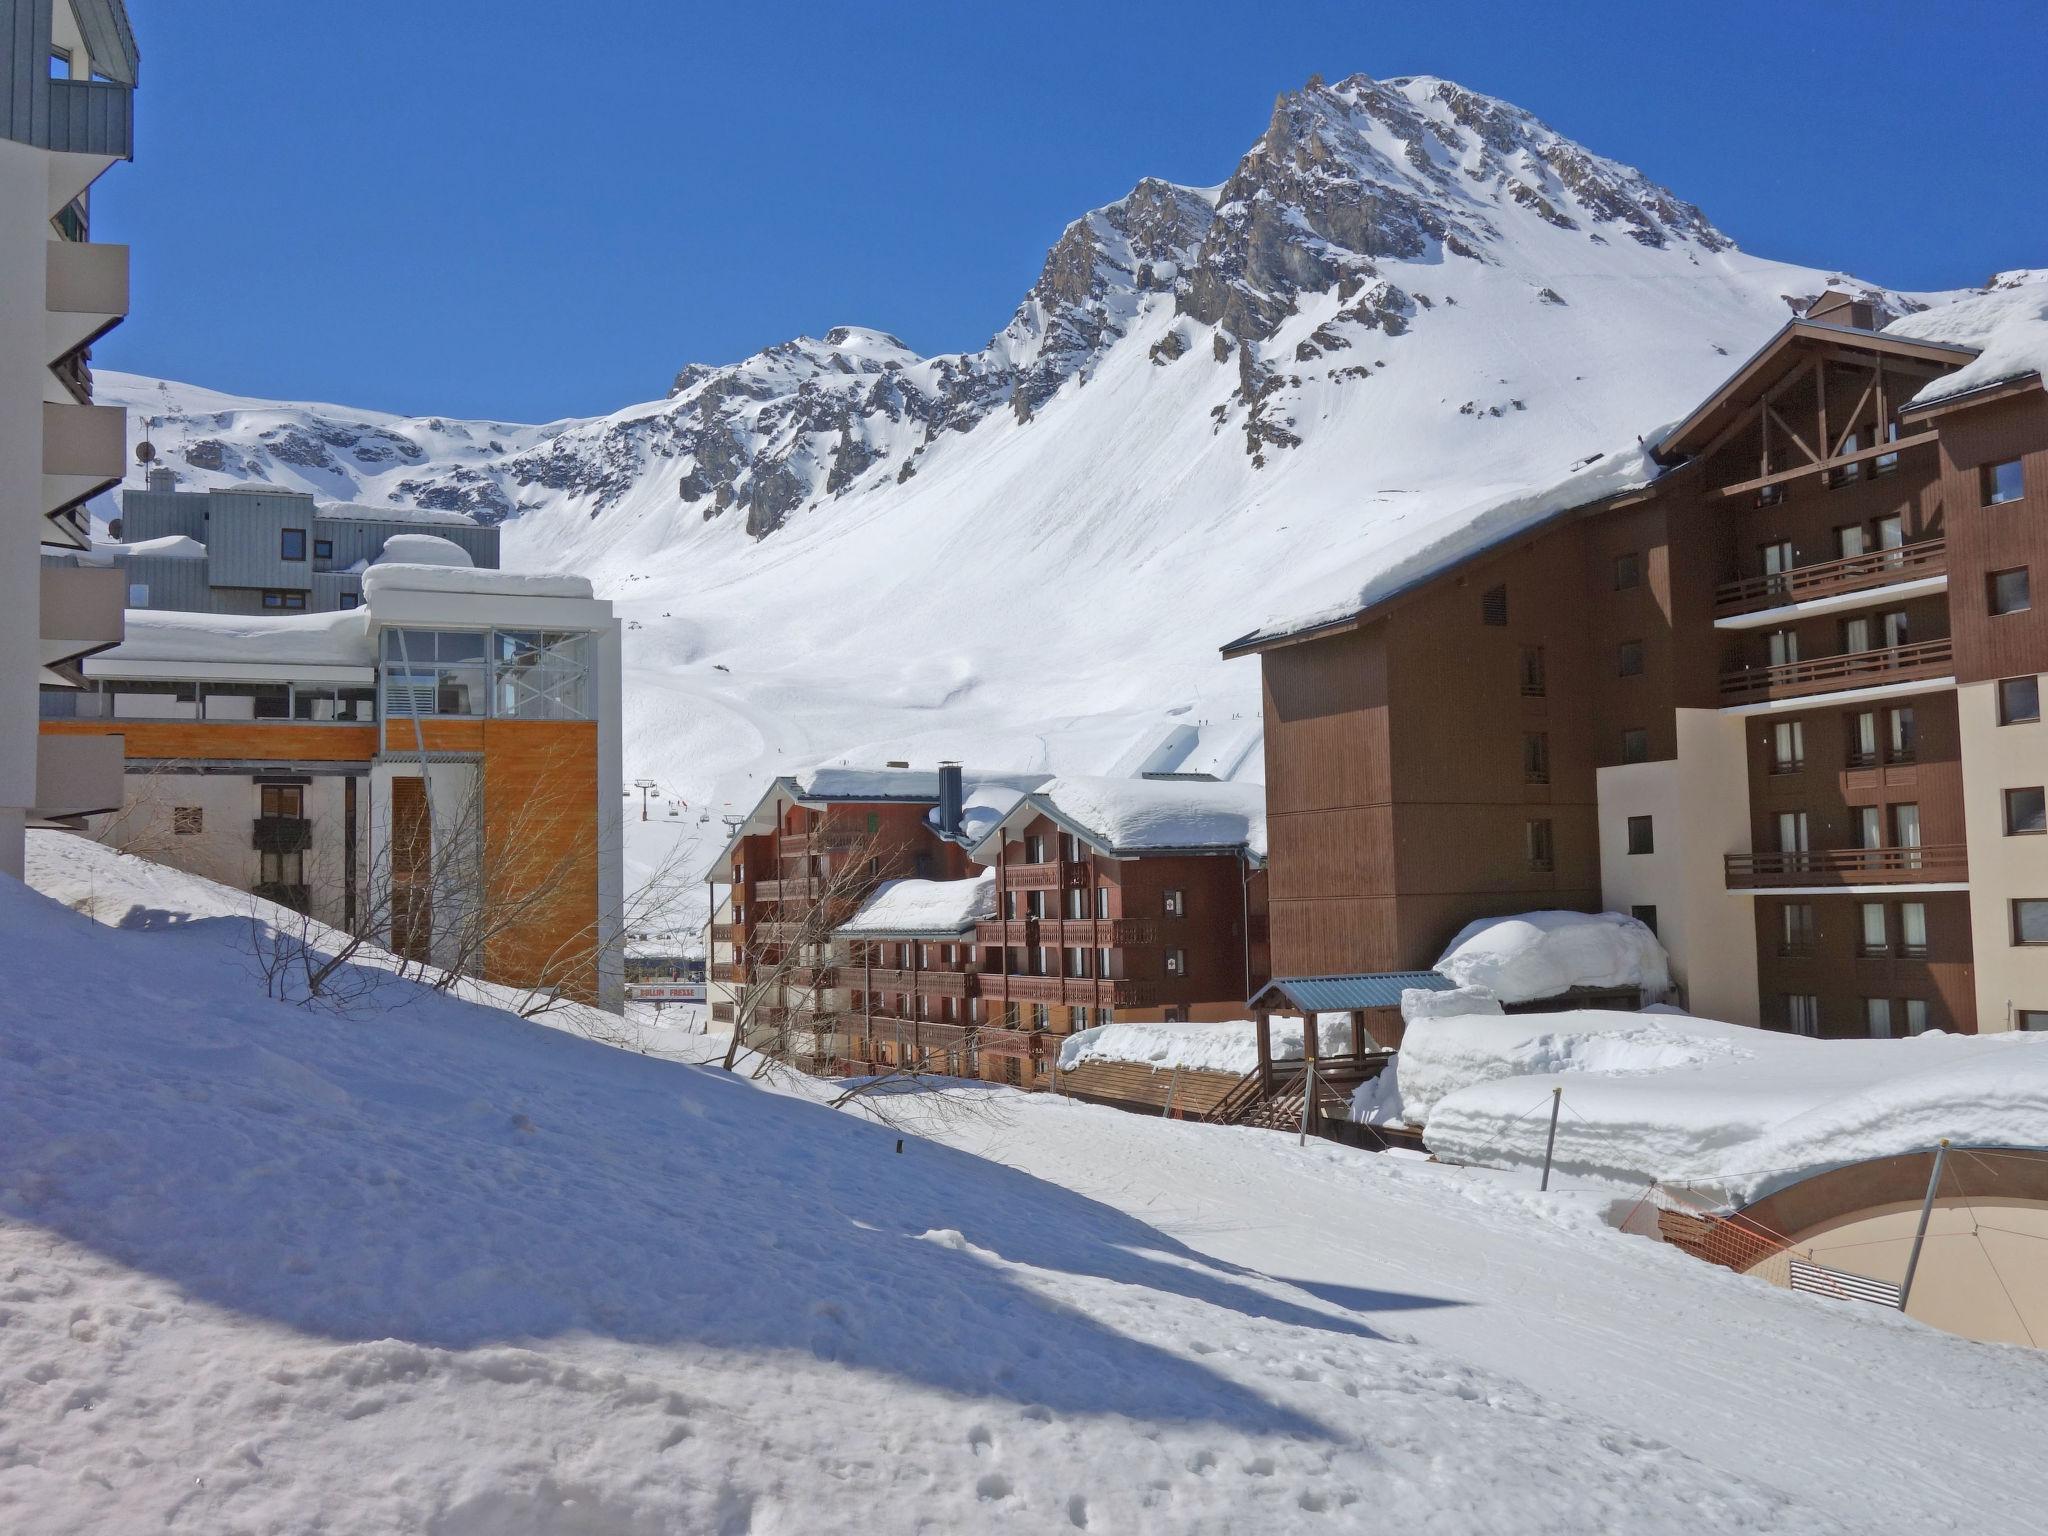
[145, 451]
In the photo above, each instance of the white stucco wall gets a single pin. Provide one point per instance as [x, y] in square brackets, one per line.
[1996, 758]
[24, 231]
[1699, 805]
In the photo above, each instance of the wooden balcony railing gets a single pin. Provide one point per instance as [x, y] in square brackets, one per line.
[724, 970]
[1857, 573]
[1027, 1043]
[722, 933]
[1937, 864]
[787, 890]
[1075, 991]
[1043, 877]
[1836, 674]
[1068, 932]
[929, 983]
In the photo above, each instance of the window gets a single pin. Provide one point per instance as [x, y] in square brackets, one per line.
[2008, 591]
[1885, 463]
[2030, 921]
[435, 672]
[1647, 916]
[1010, 906]
[1906, 830]
[1802, 1013]
[1034, 904]
[60, 63]
[1532, 671]
[1769, 495]
[1782, 646]
[1902, 736]
[1034, 849]
[1176, 903]
[2004, 482]
[1629, 659]
[1863, 738]
[1795, 928]
[323, 549]
[1859, 635]
[1635, 745]
[1867, 826]
[1851, 541]
[1070, 848]
[1077, 903]
[1896, 627]
[541, 675]
[1877, 1017]
[1845, 474]
[1775, 559]
[1080, 1019]
[874, 822]
[138, 594]
[1044, 961]
[1041, 1016]
[1077, 962]
[1102, 901]
[1105, 965]
[349, 600]
[1792, 832]
[1642, 835]
[284, 600]
[1493, 607]
[1872, 938]
[1176, 962]
[2019, 700]
[2030, 1018]
[1913, 930]
[291, 544]
[1536, 757]
[1788, 746]
[1916, 1016]
[1628, 571]
[1540, 853]
[2026, 812]
[281, 799]
[188, 820]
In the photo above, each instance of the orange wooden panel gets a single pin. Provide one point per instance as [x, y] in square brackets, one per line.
[198, 739]
[541, 809]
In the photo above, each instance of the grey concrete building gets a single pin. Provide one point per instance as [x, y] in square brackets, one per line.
[262, 549]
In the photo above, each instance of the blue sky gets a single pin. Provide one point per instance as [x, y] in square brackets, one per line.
[527, 208]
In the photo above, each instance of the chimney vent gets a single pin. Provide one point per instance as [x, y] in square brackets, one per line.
[161, 479]
[1837, 308]
[950, 797]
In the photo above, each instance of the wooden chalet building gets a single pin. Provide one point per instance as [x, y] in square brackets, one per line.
[1773, 686]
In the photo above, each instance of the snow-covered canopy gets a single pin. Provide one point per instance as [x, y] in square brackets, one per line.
[1147, 815]
[2007, 323]
[322, 639]
[423, 549]
[1231, 1046]
[924, 908]
[1735, 1111]
[444, 578]
[1534, 955]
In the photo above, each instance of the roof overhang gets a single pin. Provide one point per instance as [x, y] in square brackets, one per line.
[1790, 347]
[1345, 994]
[1983, 394]
[137, 670]
[1035, 805]
[109, 39]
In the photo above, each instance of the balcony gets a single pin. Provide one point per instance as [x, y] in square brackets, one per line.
[926, 983]
[1882, 575]
[725, 970]
[723, 933]
[85, 290]
[84, 451]
[1073, 991]
[1938, 864]
[78, 775]
[81, 609]
[1928, 660]
[88, 117]
[281, 834]
[1026, 1043]
[1044, 877]
[787, 890]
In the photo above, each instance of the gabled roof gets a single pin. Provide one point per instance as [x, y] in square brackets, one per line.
[924, 909]
[1342, 994]
[1785, 351]
[1146, 817]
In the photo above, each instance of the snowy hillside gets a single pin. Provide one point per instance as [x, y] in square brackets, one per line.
[435, 1269]
[1405, 300]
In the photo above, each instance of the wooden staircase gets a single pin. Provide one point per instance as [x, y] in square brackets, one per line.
[1277, 1106]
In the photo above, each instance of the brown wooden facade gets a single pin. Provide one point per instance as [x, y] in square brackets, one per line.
[1816, 561]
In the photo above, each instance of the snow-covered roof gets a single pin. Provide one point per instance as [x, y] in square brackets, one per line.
[423, 549]
[1129, 816]
[1231, 1047]
[1440, 544]
[442, 578]
[172, 546]
[1535, 955]
[339, 639]
[360, 512]
[1734, 1111]
[911, 909]
[2007, 323]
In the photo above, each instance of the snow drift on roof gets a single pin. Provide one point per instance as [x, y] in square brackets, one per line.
[1533, 955]
[1136, 814]
[1438, 543]
[842, 782]
[925, 907]
[350, 509]
[442, 578]
[1231, 1047]
[423, 549]
[172, 546]
[339, 639]
[1734, 1111]
[2007, 323]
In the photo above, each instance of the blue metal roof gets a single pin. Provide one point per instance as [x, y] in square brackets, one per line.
[1341, 994]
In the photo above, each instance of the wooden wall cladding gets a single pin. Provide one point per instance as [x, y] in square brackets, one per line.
[199, 740]
[1985, 539]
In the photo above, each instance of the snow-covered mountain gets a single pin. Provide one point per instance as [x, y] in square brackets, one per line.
[1405, 301]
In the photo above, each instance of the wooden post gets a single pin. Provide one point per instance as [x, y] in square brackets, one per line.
[1265, 1037]
[1308, 1038]
[1358, 1032]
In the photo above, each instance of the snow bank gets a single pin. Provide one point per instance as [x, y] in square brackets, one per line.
[172, 546]
[2007, 323]
[1231, 1047]
[423, 549]
[1536, 955]
[324, 639]
[1162, 813]
[914, 907]
[443, 578]
[1452, 1003]
[1732, 1111]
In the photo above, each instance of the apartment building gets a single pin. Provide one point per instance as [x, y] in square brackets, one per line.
[262, 549]
[437, 768]
[1776, 694]
[67, 79]
[972, 922]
